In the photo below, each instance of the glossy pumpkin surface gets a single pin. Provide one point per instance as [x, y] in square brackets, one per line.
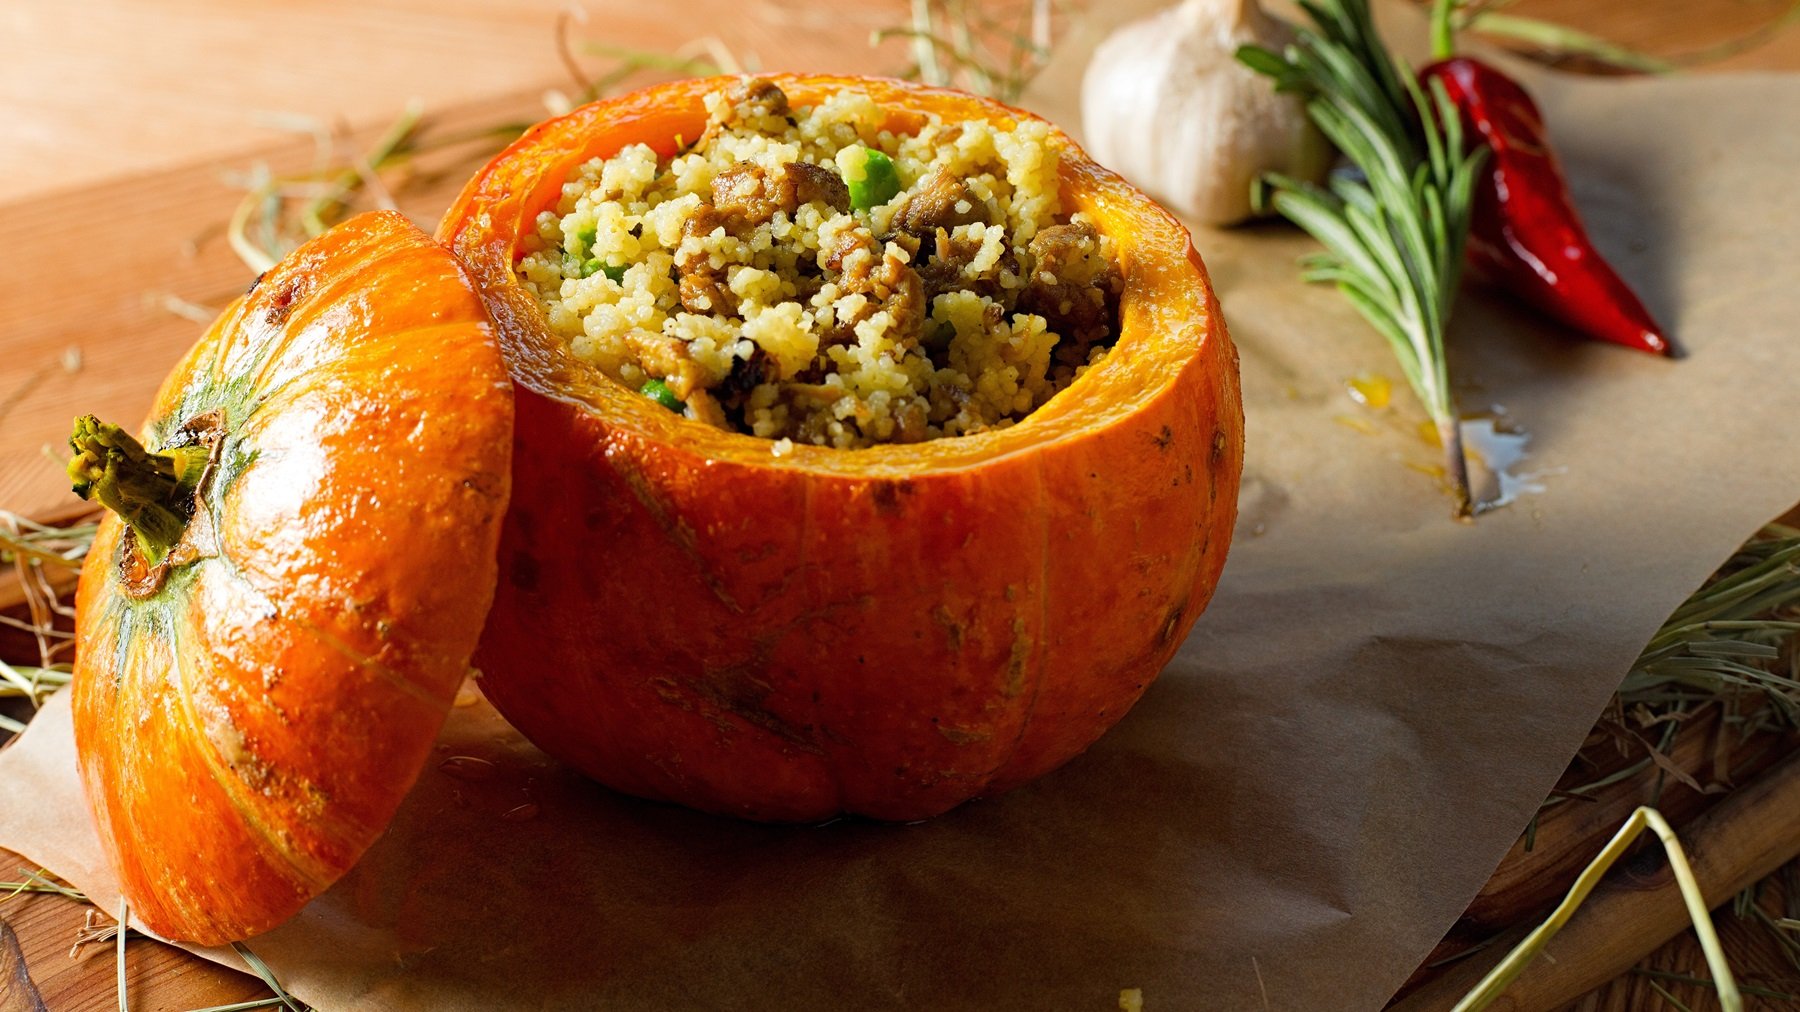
[249, 713]
[886, 631]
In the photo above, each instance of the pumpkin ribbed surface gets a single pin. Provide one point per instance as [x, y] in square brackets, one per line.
[887, 631]
[249, 718]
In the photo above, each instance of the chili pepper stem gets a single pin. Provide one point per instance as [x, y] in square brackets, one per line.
[151, 492]
[1456, 468]
[1443, 33]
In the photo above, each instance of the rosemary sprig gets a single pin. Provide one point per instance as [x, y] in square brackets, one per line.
[1393, 231]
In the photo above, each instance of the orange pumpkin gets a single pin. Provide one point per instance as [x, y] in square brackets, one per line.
[265, 654]
[886, 631]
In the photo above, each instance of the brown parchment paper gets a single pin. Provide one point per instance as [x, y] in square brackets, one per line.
[1356, 730]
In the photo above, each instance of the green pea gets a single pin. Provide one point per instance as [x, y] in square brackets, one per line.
[584, 237]
[659, 392]
[589, 268]
[869, 174]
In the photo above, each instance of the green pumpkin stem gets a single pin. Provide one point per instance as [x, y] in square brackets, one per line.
[152, 492]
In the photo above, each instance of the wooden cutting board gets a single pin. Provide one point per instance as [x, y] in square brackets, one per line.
[126, 122]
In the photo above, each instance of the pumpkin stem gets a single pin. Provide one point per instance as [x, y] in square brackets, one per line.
[152, 492]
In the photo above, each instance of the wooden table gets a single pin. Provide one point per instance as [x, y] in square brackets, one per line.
[122, 117]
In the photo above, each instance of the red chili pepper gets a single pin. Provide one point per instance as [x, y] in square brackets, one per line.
[1525, 234]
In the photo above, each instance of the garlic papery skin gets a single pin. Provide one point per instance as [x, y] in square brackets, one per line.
[1166, 104]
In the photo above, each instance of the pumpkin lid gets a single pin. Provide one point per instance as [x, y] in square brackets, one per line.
[268, 647]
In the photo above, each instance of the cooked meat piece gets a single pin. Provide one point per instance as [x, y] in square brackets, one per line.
[703, 222]
[1079, 300]
[1054, 248]
[942, 271]
[747, 196]
[668, 358]
[935, 204]
[702, 288]
[909, 421]
[703, 407]
[758, 94]
[743, 196]
[886, 284]
[704, 292]
[902, 294]
[747, 374]
[843, 332]
[1083, 315]
[838, 248]
[804, 183]
[750, 98]
[908, 242]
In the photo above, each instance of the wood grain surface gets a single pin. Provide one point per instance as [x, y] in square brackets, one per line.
[125, 120]
[1638, 907]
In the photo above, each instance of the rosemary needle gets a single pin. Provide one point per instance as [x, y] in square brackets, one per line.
[1394, 230]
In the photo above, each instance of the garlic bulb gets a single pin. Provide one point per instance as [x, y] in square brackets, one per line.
[1166, 103]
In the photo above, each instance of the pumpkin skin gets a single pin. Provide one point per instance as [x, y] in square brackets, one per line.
[887, 631]
[248, 719]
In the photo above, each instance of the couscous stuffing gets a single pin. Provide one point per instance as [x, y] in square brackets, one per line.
[804, 275]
